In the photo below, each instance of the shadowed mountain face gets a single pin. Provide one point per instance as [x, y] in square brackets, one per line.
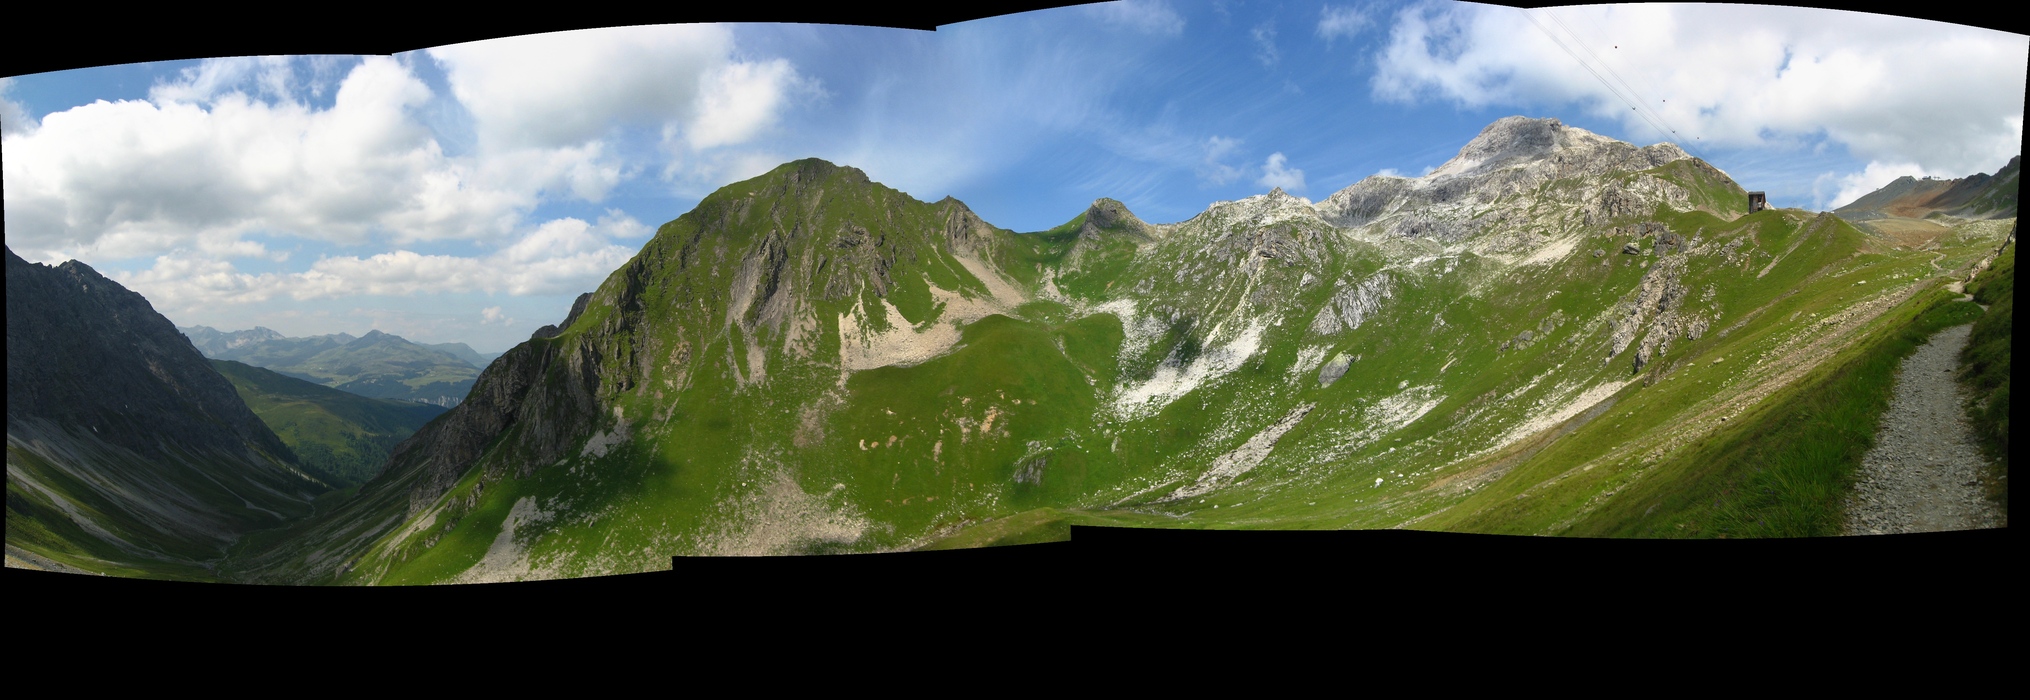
[83, 351]
[123, 445]
[338, 434]
[377, 365]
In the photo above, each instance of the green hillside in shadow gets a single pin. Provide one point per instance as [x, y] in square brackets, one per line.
[342, 435]
[1985, 366]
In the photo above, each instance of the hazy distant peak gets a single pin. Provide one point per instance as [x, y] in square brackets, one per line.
[375, 337]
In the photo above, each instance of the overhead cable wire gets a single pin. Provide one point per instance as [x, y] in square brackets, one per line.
[1596, 74]
[1610, 68]
[1654, 122]
[1640, 103]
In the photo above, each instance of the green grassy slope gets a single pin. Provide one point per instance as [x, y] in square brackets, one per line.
[106, 509]
[1783, 469]
[1985, 366]
[1754, 466]
[344, 436]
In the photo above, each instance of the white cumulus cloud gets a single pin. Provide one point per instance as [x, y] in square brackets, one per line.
[1833, 191]
[1276, 172]
[140, 178]
[271, 76]
[740, 100]
[567, 88]
[1945, 97]
[561, 256]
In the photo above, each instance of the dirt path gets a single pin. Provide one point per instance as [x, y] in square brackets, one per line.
[1924, 473]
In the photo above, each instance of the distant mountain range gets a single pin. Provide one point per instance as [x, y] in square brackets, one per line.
[1977, 196]
[377, 364]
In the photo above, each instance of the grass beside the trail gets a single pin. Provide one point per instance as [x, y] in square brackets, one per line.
[1984, 369]
[1785, 470]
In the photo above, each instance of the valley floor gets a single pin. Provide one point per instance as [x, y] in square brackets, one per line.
[1924, 473]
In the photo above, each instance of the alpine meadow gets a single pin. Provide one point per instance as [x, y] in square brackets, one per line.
[1549, 332]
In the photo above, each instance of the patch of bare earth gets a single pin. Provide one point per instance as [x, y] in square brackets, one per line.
[1908, 233]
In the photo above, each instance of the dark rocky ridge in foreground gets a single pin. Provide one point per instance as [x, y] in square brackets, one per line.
[126, 451]
[84, 351]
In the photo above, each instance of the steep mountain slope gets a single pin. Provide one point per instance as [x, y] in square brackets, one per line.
[343, 436]
[126, 452]
[811, 362]
[378, 365]
[725, 344]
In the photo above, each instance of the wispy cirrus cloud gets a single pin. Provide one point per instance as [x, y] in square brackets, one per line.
[1146, 16]
[13, 117]
[1340, 23]
[1264, 36]
[1215, 170]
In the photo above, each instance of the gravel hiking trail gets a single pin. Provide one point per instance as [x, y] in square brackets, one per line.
[1924, 472]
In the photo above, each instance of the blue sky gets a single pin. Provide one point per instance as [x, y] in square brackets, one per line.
[467, 193]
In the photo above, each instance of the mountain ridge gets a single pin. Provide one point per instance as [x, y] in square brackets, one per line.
[125, 450]
[375, 365]
[813, 261]
[1977, 196]
[809, 362]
